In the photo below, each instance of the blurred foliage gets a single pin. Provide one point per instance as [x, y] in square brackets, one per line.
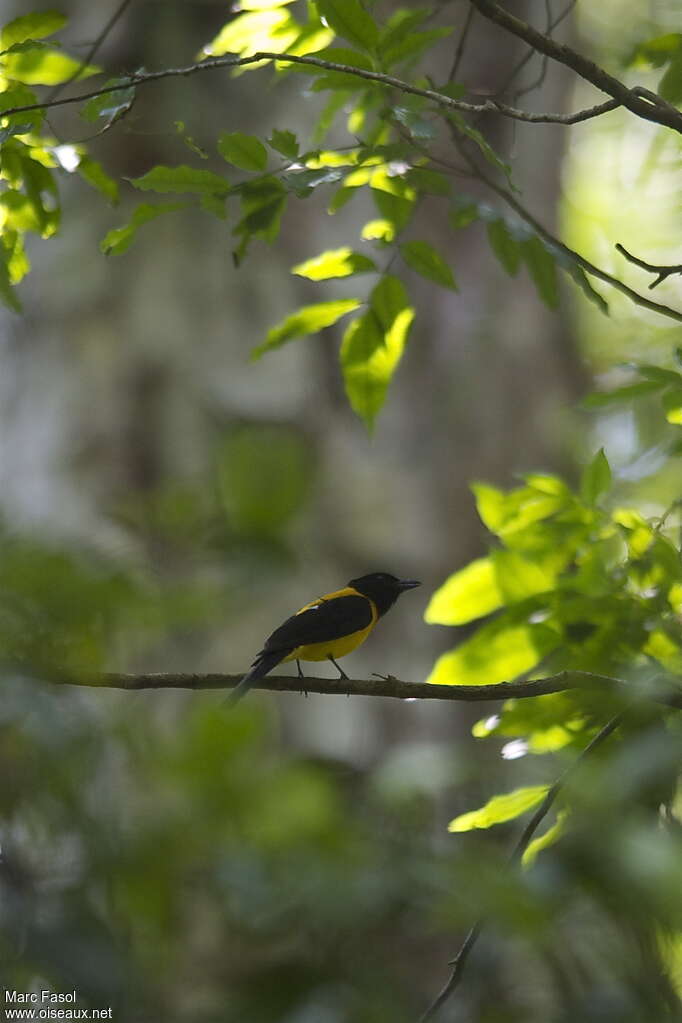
[185, 864]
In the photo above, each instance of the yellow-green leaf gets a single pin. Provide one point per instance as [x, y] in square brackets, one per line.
[500, 808]
[307, 320]
[544, 841]
[497, 652]
[342, 262]
[468, 594]
[36, 25]
[45, 66]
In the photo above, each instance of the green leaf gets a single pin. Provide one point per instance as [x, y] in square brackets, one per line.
[542, 269]
[7, 294]
[660, 375]
[468, 594]
[350, 20]
[308, 320]
[373, 346]
[497, 652]
[36, 25]
[19, 96]
[422, 257]
[334, 263]
[596, 478]
[622, 394]
[244, 151]
[504, 245]
[181, 179]
[112, 105]
[500, 808]
[656, 52]
[576, 272]
[412, 45]
[45, 66]
[119, 239]
[670, 85]
[95, 175]
[285, 142]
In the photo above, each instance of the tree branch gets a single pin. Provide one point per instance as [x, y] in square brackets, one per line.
[663, 272]
[459, 962]
[651, 108]
[385, 686]
[489, 106]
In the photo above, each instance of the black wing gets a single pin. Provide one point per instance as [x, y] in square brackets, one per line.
[325, 620]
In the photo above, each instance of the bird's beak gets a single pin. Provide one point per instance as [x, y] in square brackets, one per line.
[408, 584]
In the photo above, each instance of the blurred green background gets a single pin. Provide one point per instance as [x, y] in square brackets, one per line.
[165, 503]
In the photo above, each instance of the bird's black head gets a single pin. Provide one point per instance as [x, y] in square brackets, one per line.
[383, 588]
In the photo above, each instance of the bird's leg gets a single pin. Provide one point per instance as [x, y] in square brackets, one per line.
[301, 675]
[338, 667]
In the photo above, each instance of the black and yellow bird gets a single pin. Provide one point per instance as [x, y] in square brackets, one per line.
[329, 627]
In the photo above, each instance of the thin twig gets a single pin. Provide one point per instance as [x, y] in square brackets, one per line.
[459, 962]
[663, 272]
[552, 240]
[386, 686]
[459, 52]
[659, 112]
[489, 106]
[97, 43]
[531, 51]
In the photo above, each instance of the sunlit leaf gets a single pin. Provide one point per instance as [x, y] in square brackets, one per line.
[508, 513]
[308, 320]
[181, 179]
[672, 405]
[36, 25]
[468, 594]
[545, 840]
[497, 652]
[272, 30]
[243, 151]
[379, 230]
[422, 257]
[45, 66]
[342, 262]
[500, 809]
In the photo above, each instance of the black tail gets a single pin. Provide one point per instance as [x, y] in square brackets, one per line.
[264, 663]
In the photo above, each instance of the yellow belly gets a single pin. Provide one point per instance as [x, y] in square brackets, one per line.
[332, 648]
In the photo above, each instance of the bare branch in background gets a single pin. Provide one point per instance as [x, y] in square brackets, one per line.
[656, 110]
[459, 962]
[662, 272]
